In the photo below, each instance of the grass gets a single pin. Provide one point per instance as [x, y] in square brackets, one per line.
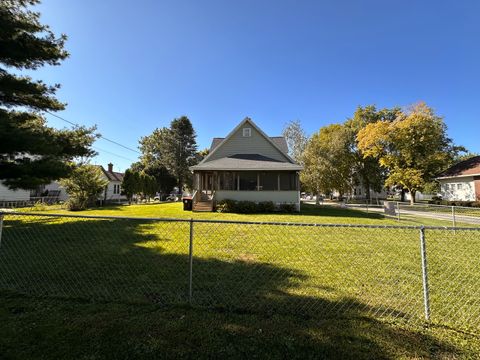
[97, 288]
[327, 214]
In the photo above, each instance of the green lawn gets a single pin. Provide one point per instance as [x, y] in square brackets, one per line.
[102, 288]
[327, 214]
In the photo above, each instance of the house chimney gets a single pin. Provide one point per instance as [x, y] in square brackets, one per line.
[110, 167]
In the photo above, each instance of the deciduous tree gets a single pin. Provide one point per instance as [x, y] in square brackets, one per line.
[84, 185]
[296, 139]
[328, 161]
[367, 170]
[413, 148]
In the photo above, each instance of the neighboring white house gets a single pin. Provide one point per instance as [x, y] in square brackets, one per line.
[247, 165]
[359, 192]
[461, 182]
[113, 190]
[54, 192]
[10, 197]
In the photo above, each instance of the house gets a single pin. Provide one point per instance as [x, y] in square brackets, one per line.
[246, 165]
[13, 198]
[461, 182]
[113, 190]
[359, 192]
[54, 192]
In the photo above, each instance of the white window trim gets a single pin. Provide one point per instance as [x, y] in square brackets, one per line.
[247, 132]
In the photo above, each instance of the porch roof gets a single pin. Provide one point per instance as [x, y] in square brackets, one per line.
[247, 162]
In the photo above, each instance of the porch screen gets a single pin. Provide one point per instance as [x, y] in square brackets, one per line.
[227, 181]
[288, 181]
[268, 181]
[248, 181]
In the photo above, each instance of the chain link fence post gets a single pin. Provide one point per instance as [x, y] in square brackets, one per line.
[454, 220]
[1, 228]
[190, 264]
[426, 288]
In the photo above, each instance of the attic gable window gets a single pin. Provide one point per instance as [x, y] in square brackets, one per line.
[247, 132]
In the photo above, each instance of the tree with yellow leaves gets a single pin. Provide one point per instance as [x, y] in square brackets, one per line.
[413, 148]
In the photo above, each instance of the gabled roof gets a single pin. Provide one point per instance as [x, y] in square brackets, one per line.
[112, 175]
[276, 142]
[469, 167]
[240, 162]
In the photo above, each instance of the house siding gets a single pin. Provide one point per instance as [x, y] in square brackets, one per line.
[110, 196]
[451, 192]
[54, 185]
[254, 144]
[477, 188]
[7, 194]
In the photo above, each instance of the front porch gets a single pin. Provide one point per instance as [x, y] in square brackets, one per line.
[276, 186]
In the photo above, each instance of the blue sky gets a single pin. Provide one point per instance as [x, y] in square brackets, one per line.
[135, 66]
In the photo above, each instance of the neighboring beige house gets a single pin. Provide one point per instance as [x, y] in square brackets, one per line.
[461, 182]
[246, 165]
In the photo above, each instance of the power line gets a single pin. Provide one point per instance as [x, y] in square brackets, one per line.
[111, 153]
[101, 136]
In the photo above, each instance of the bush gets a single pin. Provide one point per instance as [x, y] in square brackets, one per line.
[250, 207]
[74, 204]
[226, 205]
[245, 207]
[266, 207]
[286, 208]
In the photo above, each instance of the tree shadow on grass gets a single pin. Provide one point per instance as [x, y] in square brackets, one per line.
[124, 284]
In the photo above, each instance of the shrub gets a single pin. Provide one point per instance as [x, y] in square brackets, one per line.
[266, 207]
[75, 204]
[226, 205]
[250, 207]
[286, 208]
[245, 207]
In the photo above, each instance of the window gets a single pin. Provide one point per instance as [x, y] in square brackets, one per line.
[268, 181]
[247, 132]
[459, 186]
[447, 187]
[116, 189]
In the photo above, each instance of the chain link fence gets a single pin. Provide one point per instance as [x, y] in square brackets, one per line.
[392, 272]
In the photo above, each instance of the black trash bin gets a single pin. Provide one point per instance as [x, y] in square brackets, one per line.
[187, 203]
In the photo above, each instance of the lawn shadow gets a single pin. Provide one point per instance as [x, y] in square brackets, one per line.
[248, 305]
[335, 211]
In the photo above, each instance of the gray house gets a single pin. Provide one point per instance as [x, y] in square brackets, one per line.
[246, 165]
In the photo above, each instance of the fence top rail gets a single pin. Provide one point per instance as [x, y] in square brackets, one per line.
[471, 208]
[239, 222]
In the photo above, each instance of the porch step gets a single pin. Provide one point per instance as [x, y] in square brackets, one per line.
[203, 206]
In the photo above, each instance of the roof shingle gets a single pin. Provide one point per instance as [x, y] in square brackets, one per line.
[464, 168]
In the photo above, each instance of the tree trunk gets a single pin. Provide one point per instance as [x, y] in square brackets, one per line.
[402, 195]
[367, 190]
[412, 196]
[317, 199]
